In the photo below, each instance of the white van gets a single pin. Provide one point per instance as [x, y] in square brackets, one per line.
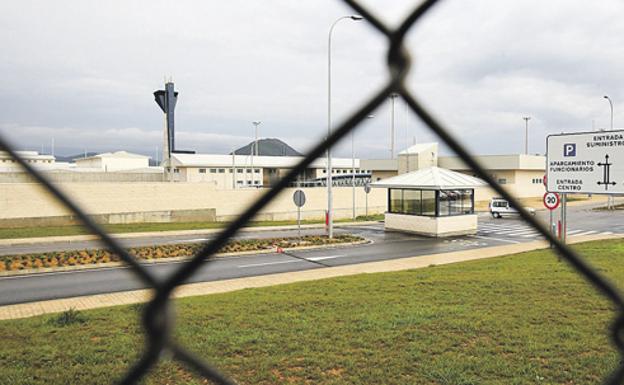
[500, 207]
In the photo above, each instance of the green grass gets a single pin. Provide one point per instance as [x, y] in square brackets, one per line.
[49, 231]
[522, 319]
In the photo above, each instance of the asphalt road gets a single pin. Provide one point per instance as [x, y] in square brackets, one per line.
[383, 246]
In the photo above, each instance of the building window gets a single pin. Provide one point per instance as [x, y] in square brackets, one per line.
[221, 171]
[213, 170]
[257, 170]
[248, 182]
[248, 170]
[239, 182]
[431, 203]
[202, 170]
[256, 182]
[324, 171]
[502, 181]
[176, 170]
[240, 170]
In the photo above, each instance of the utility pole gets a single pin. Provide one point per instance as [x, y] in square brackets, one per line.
[233, 169]
[526, 134]
[254, 148]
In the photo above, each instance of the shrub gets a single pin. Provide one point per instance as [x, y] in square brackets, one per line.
[68, 317]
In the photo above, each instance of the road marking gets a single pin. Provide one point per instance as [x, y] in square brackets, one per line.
[516, 232]
[574, 231]
[314, 259]
[268, 263]
[497, 239]
[585, 233]
[503, 226]
[533, 234]
[194, 240]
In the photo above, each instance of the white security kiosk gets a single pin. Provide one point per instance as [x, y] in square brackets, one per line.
[435, 202]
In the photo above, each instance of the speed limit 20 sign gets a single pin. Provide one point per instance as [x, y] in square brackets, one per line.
[551, 200]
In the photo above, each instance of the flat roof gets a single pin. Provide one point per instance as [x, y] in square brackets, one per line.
[497, 162]
[218, 160]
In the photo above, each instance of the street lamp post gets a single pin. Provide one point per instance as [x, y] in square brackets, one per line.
[254, 149]
[526, 134]
[610, 197]
[611, 105]
[330, 219]
[392, 97]
[353, 166]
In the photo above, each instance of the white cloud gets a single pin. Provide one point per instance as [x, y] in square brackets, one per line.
[479, 65]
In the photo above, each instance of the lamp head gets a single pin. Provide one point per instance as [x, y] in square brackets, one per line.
[356, 17]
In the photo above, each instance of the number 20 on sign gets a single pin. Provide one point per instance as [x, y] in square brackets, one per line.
[551, 200]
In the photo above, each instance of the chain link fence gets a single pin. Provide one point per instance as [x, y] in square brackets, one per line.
[157, 317]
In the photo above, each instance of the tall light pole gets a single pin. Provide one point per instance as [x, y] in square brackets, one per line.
[353, 167]
[526, 134]
[392, 97]
[610, 104]
[330, 215]
[254, 148]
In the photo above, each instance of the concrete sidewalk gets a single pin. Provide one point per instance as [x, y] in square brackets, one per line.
[129, 297]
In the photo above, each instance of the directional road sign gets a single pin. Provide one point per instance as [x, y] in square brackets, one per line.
[551, 200]
[586, 162]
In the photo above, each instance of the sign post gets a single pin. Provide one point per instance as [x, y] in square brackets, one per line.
[367, 189]
[299, 198]
[551, 202]
[564, 217]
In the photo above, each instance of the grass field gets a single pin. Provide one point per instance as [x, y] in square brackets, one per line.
[522, 319]
[49, 231]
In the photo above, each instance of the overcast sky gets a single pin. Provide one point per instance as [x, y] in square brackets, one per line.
[83, 72]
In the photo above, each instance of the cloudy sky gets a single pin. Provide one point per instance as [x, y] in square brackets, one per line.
[83, 72]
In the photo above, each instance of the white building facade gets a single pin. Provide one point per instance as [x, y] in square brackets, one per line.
[237, 171]
[113, 161]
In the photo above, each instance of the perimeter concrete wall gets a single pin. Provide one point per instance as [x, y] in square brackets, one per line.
[28, 204]
[84, 177]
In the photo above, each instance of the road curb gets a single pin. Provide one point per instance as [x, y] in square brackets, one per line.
[44, 270]
[205, 288]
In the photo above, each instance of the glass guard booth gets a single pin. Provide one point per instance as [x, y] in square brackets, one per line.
[430, 203]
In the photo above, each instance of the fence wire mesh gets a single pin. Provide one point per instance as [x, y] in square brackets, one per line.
[157, 317]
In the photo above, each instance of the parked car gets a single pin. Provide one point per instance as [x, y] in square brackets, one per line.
[500, 207]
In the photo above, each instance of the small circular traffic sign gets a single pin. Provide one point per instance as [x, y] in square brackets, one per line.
[299, 198]
[551, 200]
[367, 188]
